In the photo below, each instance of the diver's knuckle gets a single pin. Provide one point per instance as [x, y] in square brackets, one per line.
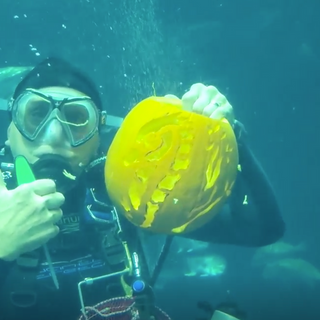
[58, 214]
[60, 197]
[55, 215]
[212, 91]
[41, 203]
[221, 97]
[24, 190]
[51, 184]
[53, 231]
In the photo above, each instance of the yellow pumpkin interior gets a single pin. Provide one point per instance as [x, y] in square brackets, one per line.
[170, 170]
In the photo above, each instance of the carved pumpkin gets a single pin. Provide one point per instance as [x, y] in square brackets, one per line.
[170, 170]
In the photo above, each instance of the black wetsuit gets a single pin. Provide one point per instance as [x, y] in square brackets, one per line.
[83, 249]
[252, 215]
[257, 223]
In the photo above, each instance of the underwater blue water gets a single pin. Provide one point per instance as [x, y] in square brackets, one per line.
[264, 55]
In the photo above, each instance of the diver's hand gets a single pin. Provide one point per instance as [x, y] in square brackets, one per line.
[208, 101]
[28, 217]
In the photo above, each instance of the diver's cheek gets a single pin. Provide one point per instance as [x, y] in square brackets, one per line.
[19, 145]
[23, 151]
[14, 140]
[85, 153]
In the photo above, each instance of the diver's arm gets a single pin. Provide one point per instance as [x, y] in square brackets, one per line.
[256, 223]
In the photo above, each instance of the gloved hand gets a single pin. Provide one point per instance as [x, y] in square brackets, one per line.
[28, 215]
[208, 101]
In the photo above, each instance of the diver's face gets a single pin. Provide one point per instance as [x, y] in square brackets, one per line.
[58, 134]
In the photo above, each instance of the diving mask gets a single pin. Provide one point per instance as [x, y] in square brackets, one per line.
[33, 111]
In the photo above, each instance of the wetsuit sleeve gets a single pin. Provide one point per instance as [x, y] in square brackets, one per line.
[252, 216]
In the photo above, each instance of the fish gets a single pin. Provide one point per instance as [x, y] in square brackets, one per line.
[275, 251]
[9, 79]
[205, 266]
[201, 266]
[291, 271]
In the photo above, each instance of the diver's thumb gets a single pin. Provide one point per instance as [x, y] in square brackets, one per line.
[3, 185]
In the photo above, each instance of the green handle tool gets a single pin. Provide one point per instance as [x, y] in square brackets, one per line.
[24, 175]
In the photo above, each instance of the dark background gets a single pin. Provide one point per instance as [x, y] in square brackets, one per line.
[264, 55]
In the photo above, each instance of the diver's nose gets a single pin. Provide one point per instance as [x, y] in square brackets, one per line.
[54, 133]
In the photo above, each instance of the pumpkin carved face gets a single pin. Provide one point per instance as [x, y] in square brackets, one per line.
[170, 170]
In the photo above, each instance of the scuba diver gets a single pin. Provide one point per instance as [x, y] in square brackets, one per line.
[62, 241]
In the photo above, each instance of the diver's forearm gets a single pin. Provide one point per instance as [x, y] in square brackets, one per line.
[261, 198]
[232, 229]
[255, 223]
